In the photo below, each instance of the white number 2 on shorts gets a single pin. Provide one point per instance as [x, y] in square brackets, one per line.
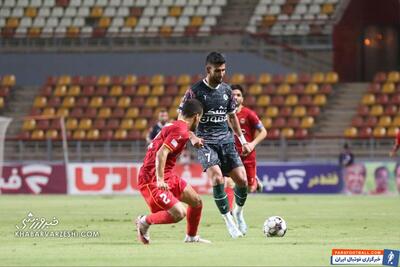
[164, 198]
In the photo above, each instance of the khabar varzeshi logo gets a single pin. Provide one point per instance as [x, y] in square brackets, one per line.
[39, 227]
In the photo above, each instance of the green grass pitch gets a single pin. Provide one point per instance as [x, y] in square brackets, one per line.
[316, 224]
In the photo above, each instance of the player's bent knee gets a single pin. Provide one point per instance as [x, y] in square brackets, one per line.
[218, 179]
[197, 202]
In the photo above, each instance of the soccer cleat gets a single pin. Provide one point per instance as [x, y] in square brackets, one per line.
[260, 186]
[142, 231]
[196, 239]
[232, 228]
[238, 215]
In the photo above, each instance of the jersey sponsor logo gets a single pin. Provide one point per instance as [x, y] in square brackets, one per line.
[215, 119]
[174, 143]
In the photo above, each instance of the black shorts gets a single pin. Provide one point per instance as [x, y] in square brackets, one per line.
[223, 155]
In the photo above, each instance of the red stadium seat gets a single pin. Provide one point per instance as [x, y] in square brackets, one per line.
[357, 121]
[118, 113]
[129, 90]
[273, 133]
[88, 90]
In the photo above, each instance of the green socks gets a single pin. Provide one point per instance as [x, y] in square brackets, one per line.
[240, 195]
[221, 199]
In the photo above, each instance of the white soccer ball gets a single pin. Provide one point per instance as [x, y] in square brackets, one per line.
[275, 226]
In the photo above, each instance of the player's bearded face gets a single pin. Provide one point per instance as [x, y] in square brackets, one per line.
[216, 73]
[195, 123]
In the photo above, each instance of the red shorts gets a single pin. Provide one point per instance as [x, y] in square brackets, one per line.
[251, 173]
[158, 199]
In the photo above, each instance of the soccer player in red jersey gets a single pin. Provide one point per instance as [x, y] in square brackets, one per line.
[396, 145]
[254, 132]
[163, 190]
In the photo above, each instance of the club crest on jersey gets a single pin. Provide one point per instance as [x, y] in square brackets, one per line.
[225, 97]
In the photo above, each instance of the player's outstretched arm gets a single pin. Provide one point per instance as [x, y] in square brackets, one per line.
[261, 133]
[161, 159]
[234, 122]
[195, 141]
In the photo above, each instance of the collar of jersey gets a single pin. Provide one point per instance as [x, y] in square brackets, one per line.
[205, 81]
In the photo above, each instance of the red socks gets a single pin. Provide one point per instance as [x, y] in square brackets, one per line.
[193, 219]
[231, 196]
[161, 217]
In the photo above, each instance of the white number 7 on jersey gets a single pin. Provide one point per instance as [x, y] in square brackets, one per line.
[208, 155]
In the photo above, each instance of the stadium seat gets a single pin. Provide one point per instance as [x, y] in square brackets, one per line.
[351, 132]
[93, 134]
[379, 132]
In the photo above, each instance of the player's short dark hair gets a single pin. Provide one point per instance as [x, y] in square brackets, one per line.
[237, 87]
[215, 58]
[162, 110]
[191, 108]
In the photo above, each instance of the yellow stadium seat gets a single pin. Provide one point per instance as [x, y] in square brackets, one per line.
[151, 102]
[49, 112]
[318, 77]
[291, 100]
[311, 88]
[385, 121]
[291, 78]
[350, 132]
[127, 124]
[12, 23]
[40, 102]
[34, 32]
[130, 80]
[62, 112]
[61, 90]
[396, 121]
[157, 79]
[31, 12]
[120, 134]
[74, 90]
[319, 100]
[8, 80]
[299, 111]
[307, 122]
[255, 89]
[331, 77]
[38, 135]
[71, 124]
[68, 102]
[392, 131]
[175, 11]
[196, 21]
[103, 80]
[73, 31]
[132, 113]
[376, 110]
[368, 99]
[237, 78]
[130, 22]
[388, 88]
[85, 124]
[264, 78]
[96, 102]
[177, 101]
[267, 122]
[96, 12]
[104, 113]
[183, 89]
[140, 124]
[394, 77]
[93, 134]
[51, 134]
[2, 102]
[165, 31]
[116, 90]
[379, 132]
[183, 80]
[124, 102]
[272, 112]
[263, 101]
[173, 112]
[287, 132]
[29, 124]
[144, 90]
[79, 134]
[283, 89]
[64, 80]
[104, 22]
[328, 9]
[157, 90]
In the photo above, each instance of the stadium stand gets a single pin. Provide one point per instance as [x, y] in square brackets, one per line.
[304, 17]
[7, 82]
[102, 18]
[377, 114]
[122, 108]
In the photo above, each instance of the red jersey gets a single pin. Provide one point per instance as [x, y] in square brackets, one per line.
[398, 138]
[174, 136]
[249, 122]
